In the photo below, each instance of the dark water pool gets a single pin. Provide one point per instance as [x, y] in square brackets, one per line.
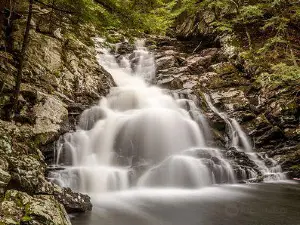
[253, 204]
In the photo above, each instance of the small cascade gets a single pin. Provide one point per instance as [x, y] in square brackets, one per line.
[192, 168]
[239, 140]
[138, 136]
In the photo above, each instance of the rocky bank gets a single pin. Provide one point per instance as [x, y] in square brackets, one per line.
[268, 111]
[61, 78]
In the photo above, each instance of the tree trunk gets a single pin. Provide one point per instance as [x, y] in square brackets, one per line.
[22, 60]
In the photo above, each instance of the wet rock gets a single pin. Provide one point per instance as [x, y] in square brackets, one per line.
[294, 171]
[284, 151]
[240, 159]
[290, 159]
[246, 116]
[124, 48]
[256, 180]
[166, 62]
[176, 84]
[275, 134]
[246, 174]
[72, 201]
[173, 71]
[198, 63]
[165, 81]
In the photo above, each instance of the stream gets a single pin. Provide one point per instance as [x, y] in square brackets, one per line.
[254, 204]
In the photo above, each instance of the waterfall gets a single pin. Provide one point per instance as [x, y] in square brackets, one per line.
[138, 136]
[240, 141]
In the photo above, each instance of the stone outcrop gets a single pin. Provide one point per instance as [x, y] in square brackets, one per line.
[268, 112]
[72, 201]
[60, 79]
[21, 208]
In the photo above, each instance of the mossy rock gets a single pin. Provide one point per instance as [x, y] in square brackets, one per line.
[5, 145]
[295, 171]
[4, 178]
[19, 207]
[223, 68]
[27, 173]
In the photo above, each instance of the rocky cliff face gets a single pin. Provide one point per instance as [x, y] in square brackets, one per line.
[268, 112]
[61, 79]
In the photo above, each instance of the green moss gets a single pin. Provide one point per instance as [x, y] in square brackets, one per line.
[291, 107]
[224, 68]
[56, 74]
[295, 167]
[26, 218]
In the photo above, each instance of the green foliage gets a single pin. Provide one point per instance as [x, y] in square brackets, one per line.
[26, 218]
[265, 31]
[250, 13]
[270, 44]
[150, 16]
[284, 72]
[280, 73]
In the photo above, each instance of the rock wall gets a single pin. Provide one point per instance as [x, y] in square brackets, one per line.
[61, 78]
[268, 112]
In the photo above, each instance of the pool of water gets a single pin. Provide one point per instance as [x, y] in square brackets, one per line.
[252, 204]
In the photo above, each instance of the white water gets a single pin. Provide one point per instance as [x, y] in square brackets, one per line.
[241, 142]
[138, 136]
[141, 137]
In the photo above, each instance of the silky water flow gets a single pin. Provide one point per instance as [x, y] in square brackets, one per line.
[141, 137]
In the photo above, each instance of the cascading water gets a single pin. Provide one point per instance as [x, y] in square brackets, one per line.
[138, 136]
[240, 141]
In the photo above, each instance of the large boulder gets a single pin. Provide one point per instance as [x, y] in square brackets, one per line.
[72, 201]
[166, 62]
[50, 113]
[20, 208]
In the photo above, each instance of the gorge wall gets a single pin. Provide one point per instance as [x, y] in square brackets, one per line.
[268, 112]
[60, 79]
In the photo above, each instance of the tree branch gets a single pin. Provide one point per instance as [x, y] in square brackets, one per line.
[54, 7]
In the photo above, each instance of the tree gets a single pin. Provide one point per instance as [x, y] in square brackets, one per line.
[21, 60]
